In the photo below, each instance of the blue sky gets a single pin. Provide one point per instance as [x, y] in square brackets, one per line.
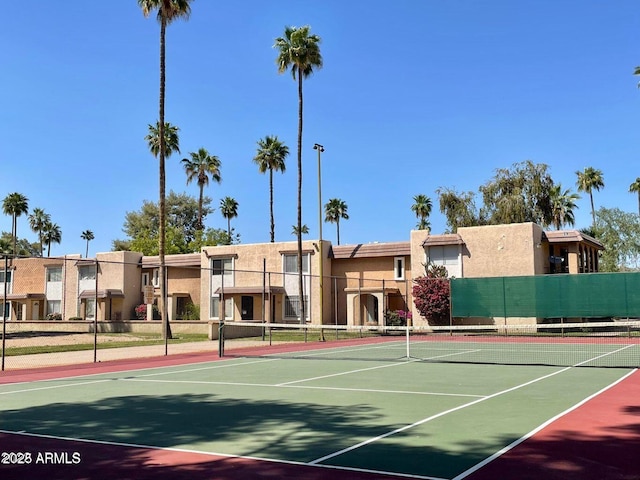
[414, 95]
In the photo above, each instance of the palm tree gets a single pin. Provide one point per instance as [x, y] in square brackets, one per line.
[304, 230]
[422, 208]
[51, 234]
[37, 220]
[88, 236]
[334, 210]
[229, 210]
[588, 180]
[635, 188]
[15, 204]
[563, 203]
[163, 140]
[271, 156]
[637, 72]
[200, 167]
[300, 51]
[168, 11]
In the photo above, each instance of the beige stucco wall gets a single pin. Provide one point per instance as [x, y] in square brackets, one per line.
[249, 263]
[502, 250]
[370, 274]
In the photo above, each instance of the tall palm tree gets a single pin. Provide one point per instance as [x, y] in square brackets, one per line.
[37, 220]
[300, 51]
[168, 11]
[15, 204]
[635, 188]
[88, 236]
[51, 234]
[422, 208]
[589, 180]
[199, 167]
[563, 203]
[229, 210]
[271, 156]
[163, 140]
[334, 210]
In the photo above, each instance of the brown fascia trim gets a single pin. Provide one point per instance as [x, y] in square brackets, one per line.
[441, 240]
[290, 252]
[571, 236]
[371, 250]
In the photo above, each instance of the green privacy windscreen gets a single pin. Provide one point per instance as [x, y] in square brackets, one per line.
[548, 296]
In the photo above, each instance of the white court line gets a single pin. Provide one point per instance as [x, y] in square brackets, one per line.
[210, 367]
[349, 372]
[306, 387]
[26, 390]
[511, 446]
[214, 454]
[433, 417]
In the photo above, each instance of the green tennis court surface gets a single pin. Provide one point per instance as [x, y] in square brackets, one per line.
[396, 416]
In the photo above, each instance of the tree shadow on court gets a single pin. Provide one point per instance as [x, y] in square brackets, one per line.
[276, 428]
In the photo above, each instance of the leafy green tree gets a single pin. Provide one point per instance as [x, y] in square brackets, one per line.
[635, 188]
[23, 246]
[271, 157]
[422, 208]
[563, 203]
[229, 210]
[299, 51]
[334, 210]
[619, 232]
[458, 208]
[51, 234]
[37, 221]
[142, 226]
[516, 195]
[87, 235]
[200, 167]
[167, 12]
[590, 179]
[15, 204]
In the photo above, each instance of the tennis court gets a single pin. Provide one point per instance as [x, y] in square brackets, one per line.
[369, 407]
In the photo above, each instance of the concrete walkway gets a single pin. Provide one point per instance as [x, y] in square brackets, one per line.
[107, 354]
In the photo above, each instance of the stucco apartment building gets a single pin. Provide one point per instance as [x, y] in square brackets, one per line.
[359, 283]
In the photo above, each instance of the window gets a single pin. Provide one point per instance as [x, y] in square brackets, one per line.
[145, 279]
[2, 276]
[7, 312]
[156, 277]
[53, 306]
[398, 268]
[292, 306]
[447, 256]
[54, 274]
[90, 308]
[215, 308]
[87, 272]
[291, 263]
[221, 265]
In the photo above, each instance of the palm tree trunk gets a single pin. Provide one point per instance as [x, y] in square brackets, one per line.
[273, 226]
[593, 210]
[166, 328]
[338, 230]
[200, 225]
[300, 278]
[14, 233]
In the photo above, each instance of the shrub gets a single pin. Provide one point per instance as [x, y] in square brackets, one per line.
[431, 294]
[54, 316]
[190, 312]
[141, 312]
[396, 318]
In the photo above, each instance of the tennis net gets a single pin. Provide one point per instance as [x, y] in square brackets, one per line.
[614, 344]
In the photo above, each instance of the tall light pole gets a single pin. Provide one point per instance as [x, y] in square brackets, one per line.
[320, 149]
